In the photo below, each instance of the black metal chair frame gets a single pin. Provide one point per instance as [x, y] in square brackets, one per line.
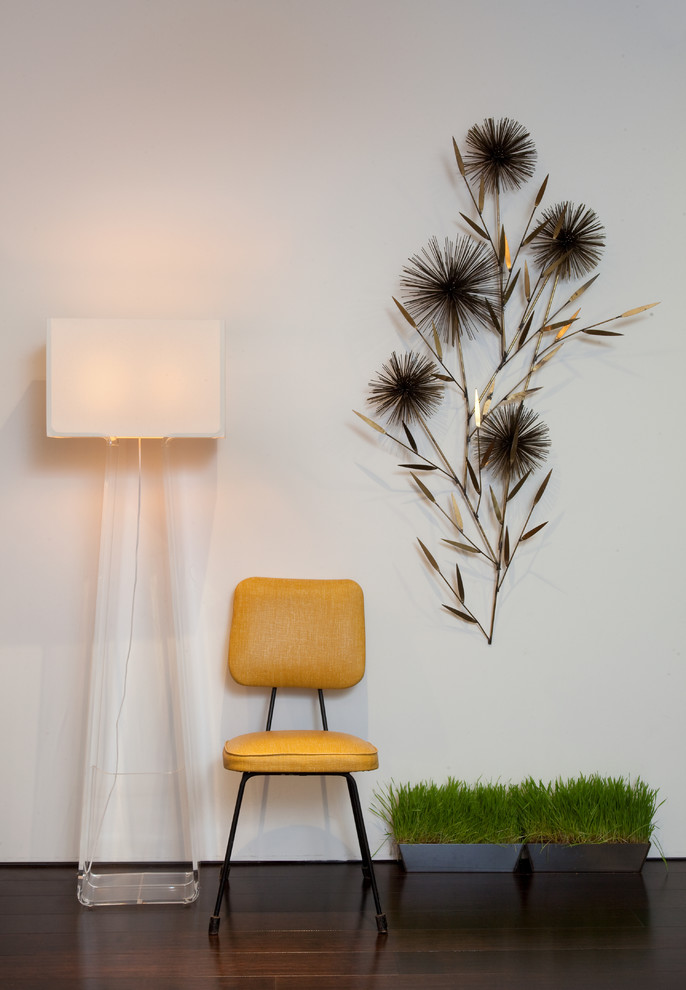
[367, 865]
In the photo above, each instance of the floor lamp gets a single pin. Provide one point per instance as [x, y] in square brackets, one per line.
[130, 381]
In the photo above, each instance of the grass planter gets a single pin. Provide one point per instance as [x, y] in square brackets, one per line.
[600, 857]
[452, 827]
[599, 824]
[583, 824]
[464, 857]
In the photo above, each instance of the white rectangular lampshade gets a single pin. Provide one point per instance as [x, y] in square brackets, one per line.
[135, 378]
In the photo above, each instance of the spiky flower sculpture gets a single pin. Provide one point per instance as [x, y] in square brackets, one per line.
[451, 288]
[482, 281]
[501, 153]
[513, 441]
[407, 390]
[569, 241]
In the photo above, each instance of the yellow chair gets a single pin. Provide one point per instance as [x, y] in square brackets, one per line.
[295, 633]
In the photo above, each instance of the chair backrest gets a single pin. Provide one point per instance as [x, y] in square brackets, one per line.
[289, 632]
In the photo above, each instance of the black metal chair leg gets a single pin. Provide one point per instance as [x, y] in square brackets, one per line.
[361, 835]
[224, 876]
[381, 922]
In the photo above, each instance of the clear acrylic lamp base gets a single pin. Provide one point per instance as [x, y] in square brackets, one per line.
[137, 830]
[167, 886]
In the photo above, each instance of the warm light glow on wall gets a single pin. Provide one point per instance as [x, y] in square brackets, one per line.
[135, 378]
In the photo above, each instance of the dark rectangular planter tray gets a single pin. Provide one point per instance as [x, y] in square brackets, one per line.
[608, 857]
[480, 857]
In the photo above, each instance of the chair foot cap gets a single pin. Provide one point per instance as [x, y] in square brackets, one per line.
[382, 924]
[214, 925]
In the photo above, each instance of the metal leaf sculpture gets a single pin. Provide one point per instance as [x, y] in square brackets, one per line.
[489, 292]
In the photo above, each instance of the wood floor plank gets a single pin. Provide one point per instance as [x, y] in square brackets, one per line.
[167, 982]
[484, 981]
[402, 941]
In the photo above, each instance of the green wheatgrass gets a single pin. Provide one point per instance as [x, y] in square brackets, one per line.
[583, 809]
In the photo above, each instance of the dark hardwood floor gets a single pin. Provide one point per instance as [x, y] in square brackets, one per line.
[311, 927]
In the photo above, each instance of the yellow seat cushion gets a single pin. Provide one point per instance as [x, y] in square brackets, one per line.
[299, 751]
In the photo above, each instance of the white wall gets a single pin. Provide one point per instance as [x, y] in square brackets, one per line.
[275, 164]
